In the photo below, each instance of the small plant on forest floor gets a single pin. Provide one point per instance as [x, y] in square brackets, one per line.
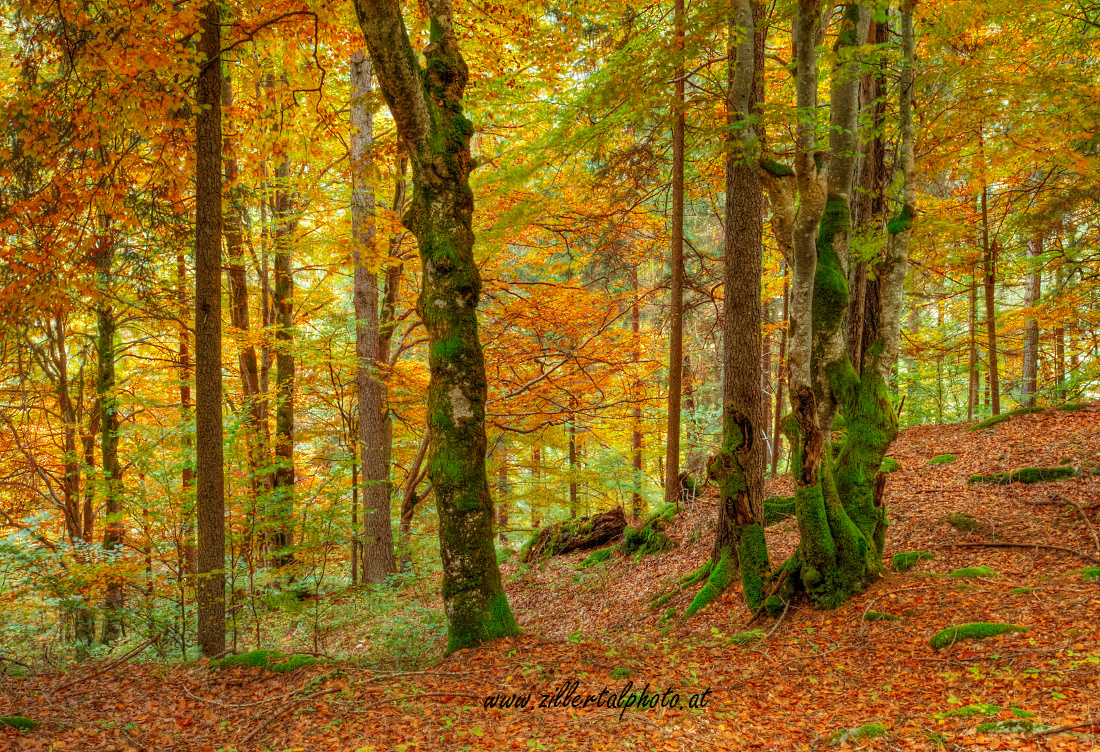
[963, 522]
[943, 459]
[979, 571]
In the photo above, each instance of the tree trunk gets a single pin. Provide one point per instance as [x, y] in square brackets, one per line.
[378, 559]
[676, 262]
[503, 491]
[210, 565]
[573, 502]
[408, 505]
[989, 262]
[1030, 383]
[780, 377]
[426, 104]
[738, 466]
[972, 323]
[636, 502]
[536, 471]
[283, 493]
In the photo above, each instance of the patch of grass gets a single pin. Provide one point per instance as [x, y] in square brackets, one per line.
[18, 722]
[1026, 475]
[942, 459]
[907, 560]
[1013, 726]
[963, 522]
[889, 465]
[272, 660]
[1021, 590]
[979, 571]
[879, 616]
[994, 420]
[972, 631]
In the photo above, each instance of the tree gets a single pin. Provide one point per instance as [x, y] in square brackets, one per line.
[210, 499]
[426, 103]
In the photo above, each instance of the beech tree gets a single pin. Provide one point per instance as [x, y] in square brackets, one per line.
[426, 103]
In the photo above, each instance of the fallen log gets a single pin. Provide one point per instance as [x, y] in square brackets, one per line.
[574, 535]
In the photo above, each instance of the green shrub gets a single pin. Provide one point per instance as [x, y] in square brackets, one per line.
[972, 631]
[943, 459]
[969, 711]
[907, 560]
[980, 571]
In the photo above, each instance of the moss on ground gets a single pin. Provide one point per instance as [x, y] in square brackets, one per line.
[1071, 406]
[1021, 590]
[1090, 574]
[981, 571]
[995, 419]
[942, 459]
[963, 522]
[889, 465]
[972, 631]
[879, 616]
[1012, 726]
[777, 509]
[721, 577]
[272, 660]
[969, 711]
[866, 731]
[907, 560]
[18, 722]
[597, 557]
[1026, 475]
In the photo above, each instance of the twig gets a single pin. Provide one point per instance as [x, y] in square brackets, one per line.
[109, 666]
[1088, 523]
[1061, 729]
[1083, 555]
[282, 709]
[786, 605]
[17, 663]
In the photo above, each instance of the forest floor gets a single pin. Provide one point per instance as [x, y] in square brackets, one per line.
[793, 685]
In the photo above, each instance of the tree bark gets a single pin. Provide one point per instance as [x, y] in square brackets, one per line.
[1030, 383]
[676, 262]
[426, 104]
[210, 499]
[989, 263]
[378, 558]
[780, 377]
[636, 501]
[972, 324]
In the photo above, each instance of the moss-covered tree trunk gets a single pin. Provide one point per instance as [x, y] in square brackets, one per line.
[427, 106]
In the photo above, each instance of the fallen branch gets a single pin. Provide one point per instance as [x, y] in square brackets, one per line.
[1061, 729]
[18, 663]
[786, 605]
[282, 709]
[1088, 523]
[1083, 555]
[434, 694]
[111, 665]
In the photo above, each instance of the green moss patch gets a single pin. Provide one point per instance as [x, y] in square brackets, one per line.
[271, 660]
[1021, 590]
[866, 731]
[980, 571]
[994, 420]
[747, 638]
[973, 631]
[597, 557]
[1090, 574]
[889, 465]
[1012, 726]
[1071, 406]
[620, 673]
[969, 711]
[776, 169]
[879, 616]
[18, 722]
[1026, 475]
[963, 522]
[777, 509]
[942, 459]
[907, 560]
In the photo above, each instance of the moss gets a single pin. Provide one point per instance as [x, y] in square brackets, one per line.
[1071, 406]
[643, 541]
[879, 616]
[889, 465]
[752, 558]
[18, 722]
[942, 459]
[777, 509]
[661, 598]
[907, 560]
[830, 299]
[776, 169]
[963, 522]
[774, 605]
[597, 557]
[721, 576]
[982, 571]
[969, 711]
[620, 673]
[1026, 475]
[972, 631]
[866, 731]
[1013, 726]
[271, 660]
[1021, 591]
[995, 419]
[1090, 574]
[903, 221]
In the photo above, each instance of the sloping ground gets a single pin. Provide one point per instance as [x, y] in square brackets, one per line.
[799, 683]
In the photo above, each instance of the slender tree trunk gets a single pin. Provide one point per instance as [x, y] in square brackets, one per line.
[285, 226]
[766, 370]
[536, 471]
[780, 377]
[636, 503]
[504, 490]
[408, 505]
[1031, 328]
[354, 519]
[573, 502]
[426, 104]
[210, 499]
[676, 262]
[187, 474]
[989, 254]
[972, 322]
[378, 559]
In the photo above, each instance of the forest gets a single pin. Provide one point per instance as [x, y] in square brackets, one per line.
[372, 370]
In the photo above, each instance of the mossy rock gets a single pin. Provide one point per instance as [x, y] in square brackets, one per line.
[271, 660]
[889, 465]
[18, 722]
[906, 561]
[963, 522]
[1090, 574]
[866, 731]
[597, 557]
[979, 571]
[973, 631]
[995, 419]
[777, 509]
[1011, 726]
[942, 459]
[879, 616]
[1026, 475]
